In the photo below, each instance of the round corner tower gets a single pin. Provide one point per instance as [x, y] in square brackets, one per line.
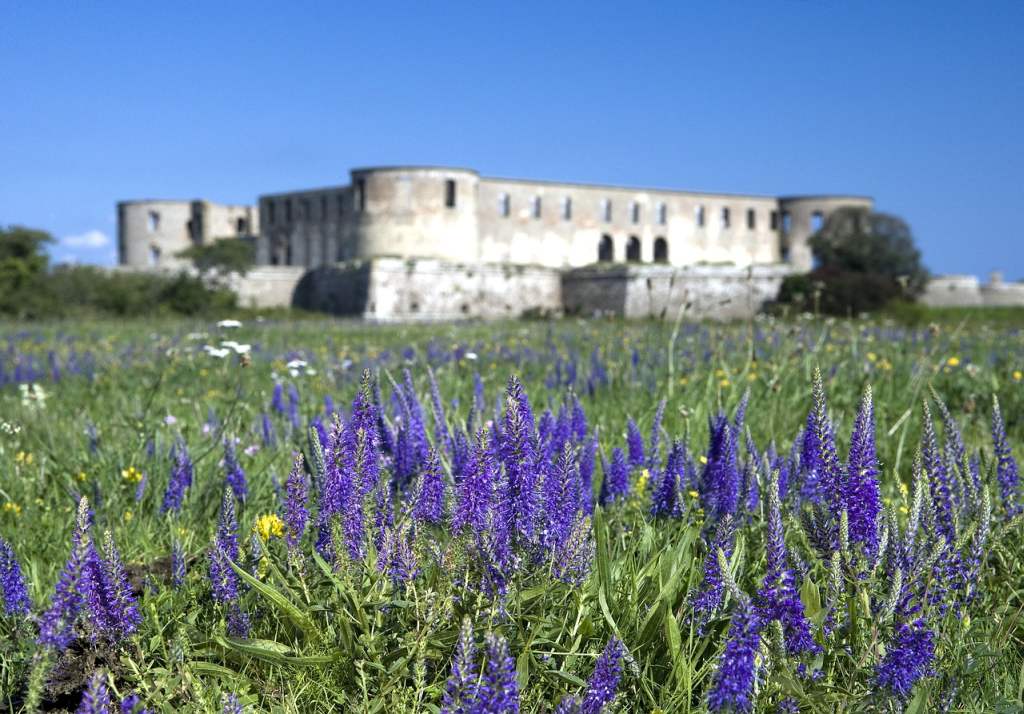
[802, 216]
[151, 233]
[422, 212]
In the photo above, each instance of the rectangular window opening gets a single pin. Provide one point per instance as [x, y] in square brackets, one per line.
[449, 193]
[751, 219]
[567, 208]
[726, 217]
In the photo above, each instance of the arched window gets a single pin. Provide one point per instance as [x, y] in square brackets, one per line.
[606, 249]
[241, 226]
[633, 250]
[817, 221]
[660, 250]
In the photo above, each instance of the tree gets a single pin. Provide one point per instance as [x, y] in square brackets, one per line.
[857, 240]
[222, 256]
[863, 261]
[23, 264]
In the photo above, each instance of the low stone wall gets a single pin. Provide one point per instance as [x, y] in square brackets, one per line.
[968, 291]
[952, 291]
[395, 289]
[661, 291]
[267, 286]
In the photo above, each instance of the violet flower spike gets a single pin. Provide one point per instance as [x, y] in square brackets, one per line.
[13, 591]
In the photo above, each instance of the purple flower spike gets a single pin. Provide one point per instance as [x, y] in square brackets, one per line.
[907, 660]
[499, 693]
[13, 592]
[708, 598]
[635, 444]
[779, 598]
[1006, 465]
[181, 479]
[234, 475]
[296, 515]
[615, 486]
[123, 610]
[861, 497]
[733, 688]
[57, 625]
[95, 698]
[460, 692]
[605, 680]
[429, 505]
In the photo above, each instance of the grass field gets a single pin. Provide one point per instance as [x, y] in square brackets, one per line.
[476, 544]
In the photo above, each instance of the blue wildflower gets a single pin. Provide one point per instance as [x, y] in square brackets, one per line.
[13, 592]
[860, 493]
[1006, 466]
[604, 681]
[296, 514]
[615, 486]
[907, 659]
[180, 480]
[234, 475]
[733, 687]
[635, 444]
[95, 697]
[429, 505]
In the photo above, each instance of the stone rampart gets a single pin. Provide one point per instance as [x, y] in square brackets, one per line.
[655, 291]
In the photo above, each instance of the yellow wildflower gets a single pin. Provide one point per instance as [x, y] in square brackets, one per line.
[269, 525]
[128, 515]
[641, 482]
[23, 457]
[724, 383]
[872, 357]
[885, 365]
[81, 476]
[1017, 375]
[752, 377]
[953, 361]
[694, 494]
[719, 372]
[131, 474]
[703, 459]
[904, 509]
[11, 507]
[903, 488]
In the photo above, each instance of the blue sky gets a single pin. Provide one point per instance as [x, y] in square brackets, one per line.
[917, 104]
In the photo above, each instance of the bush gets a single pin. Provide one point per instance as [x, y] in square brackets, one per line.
[864, 260]
[838, 292]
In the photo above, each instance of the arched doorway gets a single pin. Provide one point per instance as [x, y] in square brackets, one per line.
[606, 250]
[660, 250]
[633, 250]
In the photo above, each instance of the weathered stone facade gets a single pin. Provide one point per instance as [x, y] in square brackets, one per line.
[150, 234]
[968, 291]
[427, 243]
[457, 215]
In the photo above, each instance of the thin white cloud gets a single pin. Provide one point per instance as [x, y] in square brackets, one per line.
[90, 239]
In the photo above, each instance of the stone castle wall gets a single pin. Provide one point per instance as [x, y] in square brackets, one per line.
[663, 292]
[456, 215]
[968, 291]
[150, 234]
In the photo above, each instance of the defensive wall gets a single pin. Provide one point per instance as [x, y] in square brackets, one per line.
[968, 291]
[151, 233]
[456, 215]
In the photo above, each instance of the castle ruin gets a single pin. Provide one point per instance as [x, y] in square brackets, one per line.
[413, 231]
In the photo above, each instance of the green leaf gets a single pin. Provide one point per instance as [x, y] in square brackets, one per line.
[278, 600]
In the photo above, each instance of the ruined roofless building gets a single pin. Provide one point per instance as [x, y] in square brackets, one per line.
[458, 216]
[151, 233]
